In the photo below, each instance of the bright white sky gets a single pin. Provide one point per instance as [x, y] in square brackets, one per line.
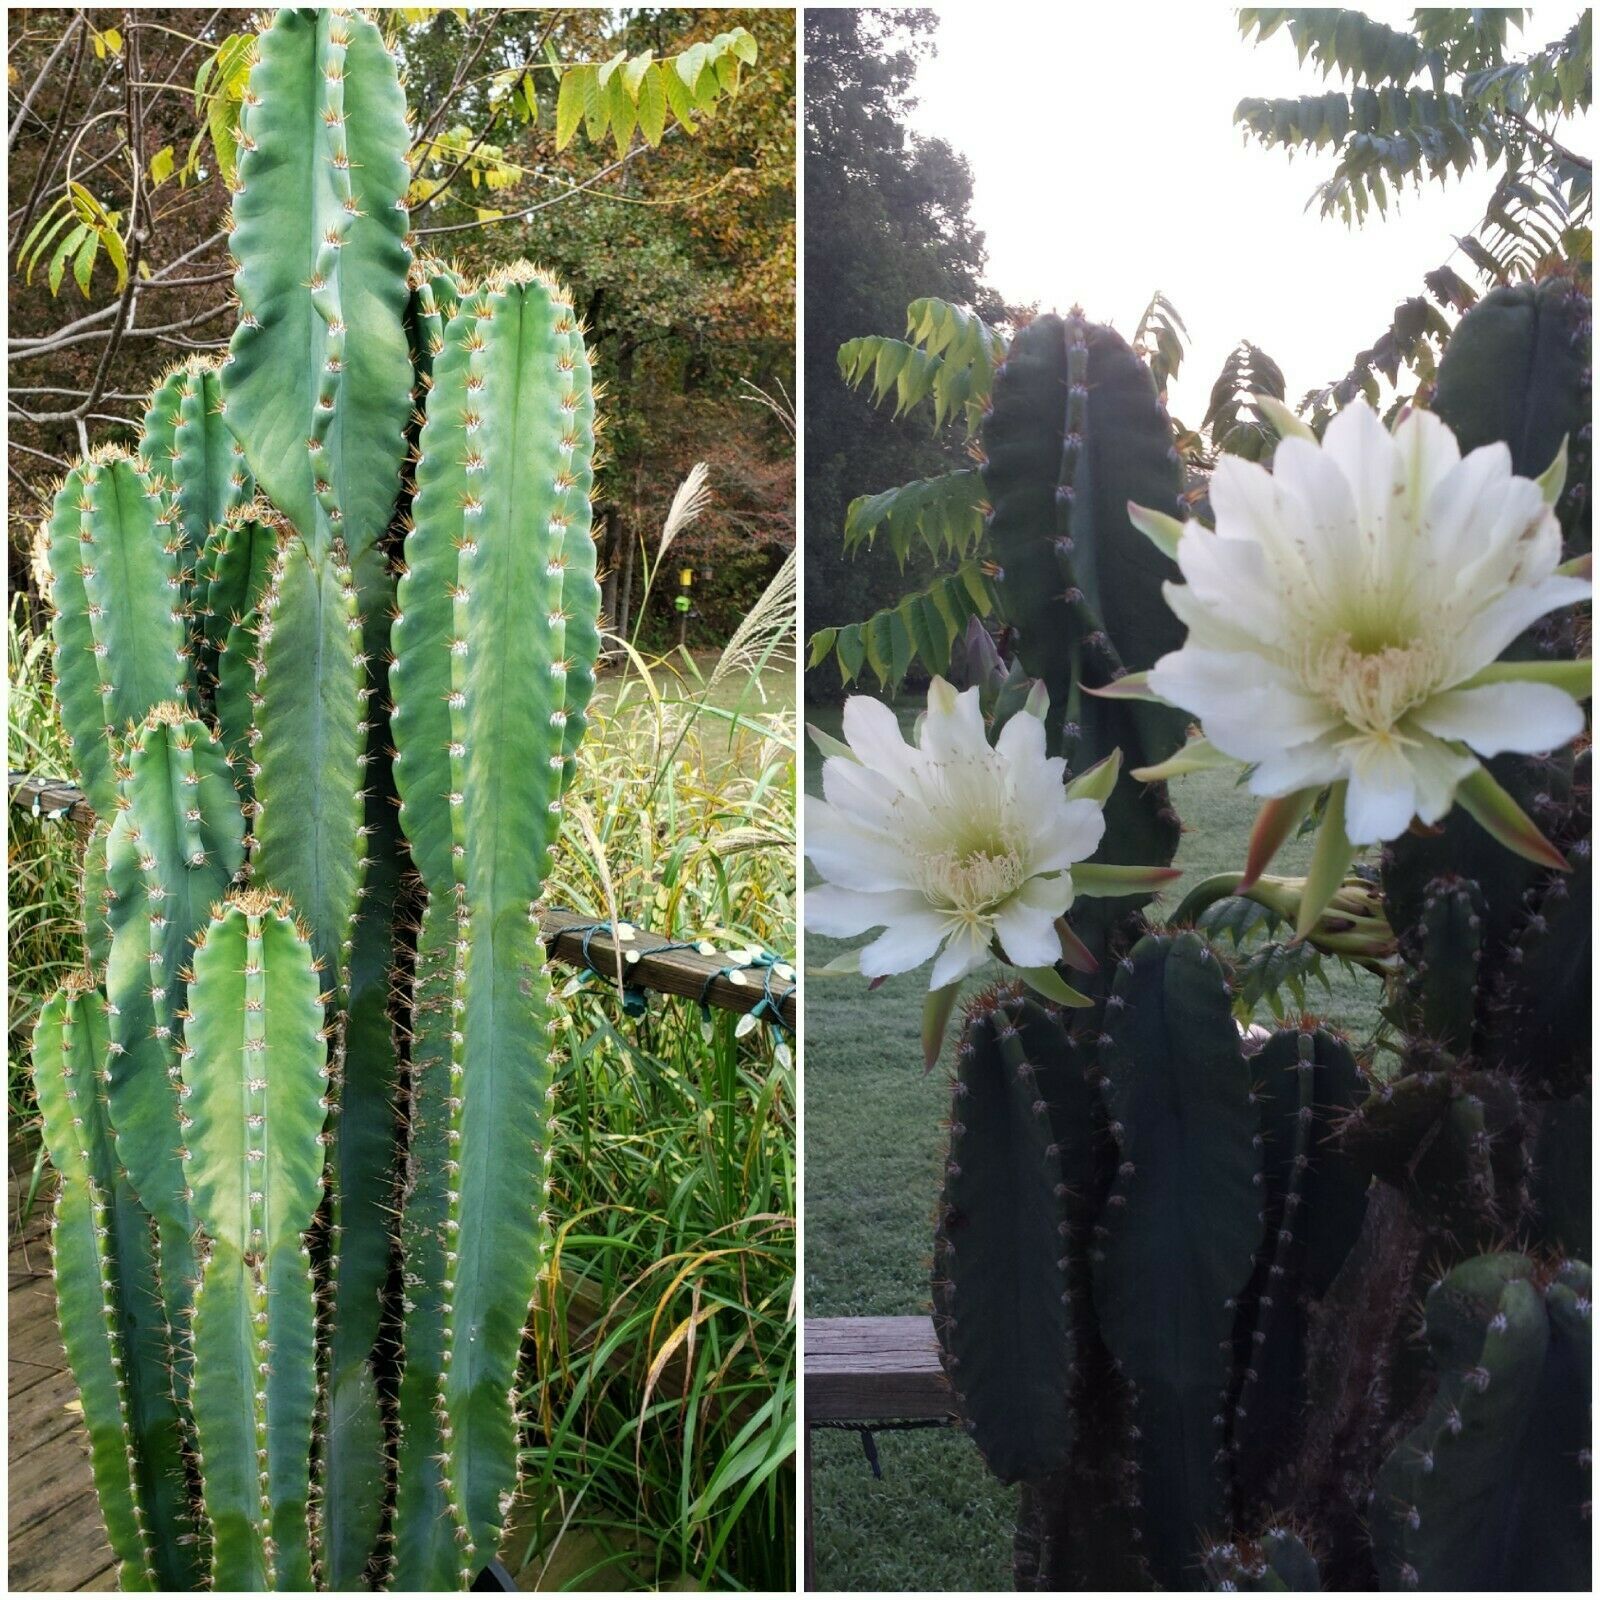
[1106, 165]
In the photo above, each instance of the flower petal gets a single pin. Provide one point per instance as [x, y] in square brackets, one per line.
[966, 952]
[1526, 717]
[906, 943]
[1383, 792]
[1484, 636]
[845, 855]
[871, 730]
[1357, 442]
[1070, 832]
[953, 728]
[1028, 933]
[840, 913]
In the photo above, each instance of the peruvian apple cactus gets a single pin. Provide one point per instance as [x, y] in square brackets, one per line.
[234, 1127]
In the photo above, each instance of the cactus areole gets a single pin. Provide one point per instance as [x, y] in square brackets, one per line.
[299, 642]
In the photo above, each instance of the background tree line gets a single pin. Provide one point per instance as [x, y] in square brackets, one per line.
[680, 248]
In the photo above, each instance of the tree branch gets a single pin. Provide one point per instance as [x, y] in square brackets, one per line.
[43, 78]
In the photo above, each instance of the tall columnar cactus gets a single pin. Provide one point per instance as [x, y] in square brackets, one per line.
[285, 1384]
[487, 714]
[1179, 1272]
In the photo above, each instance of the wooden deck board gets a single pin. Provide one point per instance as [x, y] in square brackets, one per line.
[57, 1540]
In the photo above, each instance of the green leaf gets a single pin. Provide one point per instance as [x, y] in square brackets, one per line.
[570, 104]
[83, 264]
[634, 71]
[821, 643]
[117, 255]
[622, 114]
[58, 261]
[161, 165]
[679, 98]
[610, 67]
[653, 106]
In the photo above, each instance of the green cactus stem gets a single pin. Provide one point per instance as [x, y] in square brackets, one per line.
[110, 1312]
[188, 445]
[1074, 433]
[121, 638]
[1491, 1489]
[176, 843]
[318, 380]
[308, 742]
[362, 1135]
[1001, 1295]
[1314, 1197]
[1181, 1231]
[493, 663]
[254, 1066]
[230, 581]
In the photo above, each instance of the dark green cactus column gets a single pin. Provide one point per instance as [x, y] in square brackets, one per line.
[364, 1129]
[254, 1068]
[1181, 1230]
[1002, 1304]
[493, 661]
[1075, 432]
[1491, 1490]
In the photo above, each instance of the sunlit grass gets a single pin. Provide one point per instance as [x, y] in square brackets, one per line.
[44, 935]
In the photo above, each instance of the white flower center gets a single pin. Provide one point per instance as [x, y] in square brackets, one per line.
[1373, 689]
[971, 885]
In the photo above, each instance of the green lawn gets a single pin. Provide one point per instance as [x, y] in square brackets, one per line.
[874, 1143]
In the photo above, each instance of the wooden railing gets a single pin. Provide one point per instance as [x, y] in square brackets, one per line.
[647, 961]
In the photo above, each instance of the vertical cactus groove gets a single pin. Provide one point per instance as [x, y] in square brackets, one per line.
[1001, 1288]
[490, 689]
[111, 1317]
[177, 841]
[189, 447]
[309, 744]
[230, 583]
[362, 1135]
[1312, 1201]
[121, 640]
[1183, 1223]
[254, 1069]
[1076, 431]
[318, 378]
[426, 1555]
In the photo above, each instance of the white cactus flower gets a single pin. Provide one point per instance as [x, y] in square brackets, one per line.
[1346, 617]
[947, 844]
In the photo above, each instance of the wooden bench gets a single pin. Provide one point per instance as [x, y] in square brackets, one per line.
[865, 1370]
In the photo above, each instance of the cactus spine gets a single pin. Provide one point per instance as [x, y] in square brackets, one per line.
[264, 1408]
